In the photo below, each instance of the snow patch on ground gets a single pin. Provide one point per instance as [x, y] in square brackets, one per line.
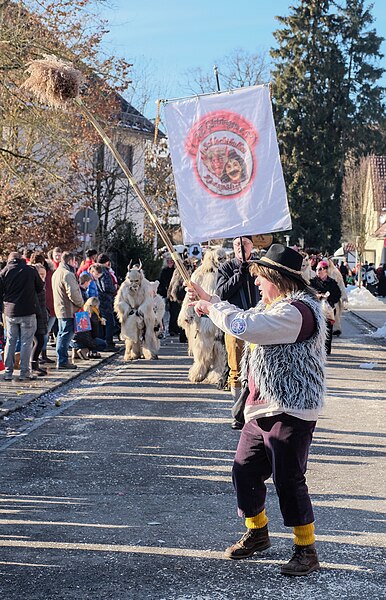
[362, 298]
[380, 333]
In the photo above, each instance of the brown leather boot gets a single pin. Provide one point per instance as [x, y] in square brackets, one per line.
[303, 561]
[17, 361]
[253, 540]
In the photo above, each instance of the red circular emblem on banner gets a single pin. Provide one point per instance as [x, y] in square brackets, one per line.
[221, 145]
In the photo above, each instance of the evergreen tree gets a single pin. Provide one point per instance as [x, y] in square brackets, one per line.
[364, 110]
[322, 66]
[125, 245]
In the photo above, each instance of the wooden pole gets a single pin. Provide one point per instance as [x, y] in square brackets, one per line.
[215, 70]
[140, 195]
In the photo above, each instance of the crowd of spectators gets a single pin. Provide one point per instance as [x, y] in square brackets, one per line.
[39, 296]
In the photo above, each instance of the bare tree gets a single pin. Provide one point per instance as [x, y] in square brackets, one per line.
[353, 204]
[361, 194]
[144, 85]
[160, 189]
[236, 70]
[42, 151]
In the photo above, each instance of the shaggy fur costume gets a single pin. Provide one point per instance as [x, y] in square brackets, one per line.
[334, 273]
[206, 341]
[290, 375]
[140, 311]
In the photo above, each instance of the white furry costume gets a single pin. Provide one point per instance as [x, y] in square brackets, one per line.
[204, 338]
[334, 273]
[307, 272]
[140, 311]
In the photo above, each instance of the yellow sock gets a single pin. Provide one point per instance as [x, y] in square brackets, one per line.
[304, 534]
[257, 522]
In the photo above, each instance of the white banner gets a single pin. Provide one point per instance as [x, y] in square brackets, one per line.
[226, 165]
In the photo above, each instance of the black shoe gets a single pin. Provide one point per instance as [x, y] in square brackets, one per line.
[44, 359]
[27, 378]
[337, 332]
[236, 424]
[37, 370]
[253, 540]
[67, 367]
[303, 561]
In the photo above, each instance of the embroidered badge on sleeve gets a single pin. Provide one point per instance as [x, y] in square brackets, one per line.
[238, 326]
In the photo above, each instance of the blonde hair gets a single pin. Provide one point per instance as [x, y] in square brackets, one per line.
[285, 285]
[91, 303]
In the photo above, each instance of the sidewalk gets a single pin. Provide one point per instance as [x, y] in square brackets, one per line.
[375, 317]
[14, 394]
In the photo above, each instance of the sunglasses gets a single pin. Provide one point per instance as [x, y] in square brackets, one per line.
[321, 268]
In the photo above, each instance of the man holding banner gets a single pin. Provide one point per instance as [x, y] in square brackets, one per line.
[236, 285]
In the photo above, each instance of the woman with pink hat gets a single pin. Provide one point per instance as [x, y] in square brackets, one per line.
[327, 287]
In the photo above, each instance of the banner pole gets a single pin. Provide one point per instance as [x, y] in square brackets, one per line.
[215, 70]
[140, 195]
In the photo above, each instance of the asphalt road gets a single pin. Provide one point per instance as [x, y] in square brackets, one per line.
[124, 491]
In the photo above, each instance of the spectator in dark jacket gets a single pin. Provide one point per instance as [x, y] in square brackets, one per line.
[106, 294]
[381, 274]
[39, 258]
[41, 325]
[236, 285]
[19, 286]
[165, 278]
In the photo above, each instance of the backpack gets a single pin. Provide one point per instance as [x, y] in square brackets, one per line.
[371, 277]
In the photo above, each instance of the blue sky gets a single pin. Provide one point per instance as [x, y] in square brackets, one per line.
[176, 35]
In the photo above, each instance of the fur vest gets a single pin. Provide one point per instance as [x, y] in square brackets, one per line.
[290, 375]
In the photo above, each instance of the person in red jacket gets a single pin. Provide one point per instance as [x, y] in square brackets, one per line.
[55, 255]
[91, 255]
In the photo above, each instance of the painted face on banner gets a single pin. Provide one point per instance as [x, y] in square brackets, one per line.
[221, 146]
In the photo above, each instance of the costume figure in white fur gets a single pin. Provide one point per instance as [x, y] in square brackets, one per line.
[140, 311]
[307, 272]
[204, 338]
[334, 273]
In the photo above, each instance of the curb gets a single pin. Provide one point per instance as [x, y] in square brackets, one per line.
[61, 384]
[374, 327]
